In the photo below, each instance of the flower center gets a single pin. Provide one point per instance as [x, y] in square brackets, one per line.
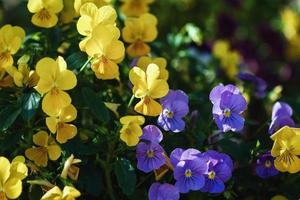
[285, 154]
[44, 15]
[188, 173]
[211, 175]
[4, 56]
[169, 114]
[227, 112]
[150, 153]
[2, 196]
[268, 163]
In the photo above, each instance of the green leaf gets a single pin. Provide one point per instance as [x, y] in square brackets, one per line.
[30, 103]
[95, 104]
[125, 174]
[76, 60]
[8, 116]
[90, 178]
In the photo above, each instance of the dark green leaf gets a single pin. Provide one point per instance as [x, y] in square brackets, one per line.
[91, 180]
[95, 104]
[8, 116]
[76, 60]
[30, 103]
[125, 175]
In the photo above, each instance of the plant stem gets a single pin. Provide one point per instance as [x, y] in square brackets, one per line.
[85, 64]
[130, 101]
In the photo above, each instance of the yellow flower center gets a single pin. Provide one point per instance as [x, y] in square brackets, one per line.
[150, 153]
[169, 114]
[44, 15]
[2, 196]
[146, 100]
[188, 173]
[54, 91]
[211, 175]
[268, 163]
[4, 56]
[227, 112]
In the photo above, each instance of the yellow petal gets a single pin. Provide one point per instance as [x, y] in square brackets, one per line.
[19, 169]
[41, 138]
[44, 85]
[106, 69]
[115, 51]
[68, 114]
[147, 106]
[65, 132]
[54, 6]
[19, 159]
[294, 165]
[84, 25]
[132, 119]
[66, 80]
[70, 193]
[46, 67]
[4, 170]
[51, 123]
[53, 194]
[138, 49]
[158, 89]
[67, 165]
[35, 5]
[54, 101]
[13, 188]
[38, 155]
[44, 19]
[113, 107]
[54, 152]
[130, 134]
[138, 78]
[152, 74]
[6, 60]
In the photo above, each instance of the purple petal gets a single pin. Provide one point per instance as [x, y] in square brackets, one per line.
[174, 124]
[180, 108]
[168, 192]
[281, 109]
[173, 95]
[223, 171]
[235, 102]
[215, 94]
[153, 191]
[152, 133]
[213, 185]
[175, 156]
[190, 154]
[279, 122]
[234, 123]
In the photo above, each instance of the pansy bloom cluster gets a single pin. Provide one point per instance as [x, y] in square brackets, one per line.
[100, 99]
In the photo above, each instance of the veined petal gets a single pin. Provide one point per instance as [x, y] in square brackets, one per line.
[147, 106]
[132, 119]
[38, 155]
[65, 132]
[46, 19]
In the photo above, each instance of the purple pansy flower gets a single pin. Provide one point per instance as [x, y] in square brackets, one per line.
[150, 156]
[219, 171]
[259, 84]
[189, 174]
[189, 169]
[265, 166]
[281, 116]
[165, 191]
[175, 107]
[228, 105]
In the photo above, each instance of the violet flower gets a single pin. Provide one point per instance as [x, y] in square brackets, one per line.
[265, 166]
[228, 105]
[175, 107]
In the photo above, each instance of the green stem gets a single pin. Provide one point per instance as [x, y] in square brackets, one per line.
[85, 64]
[130, 101]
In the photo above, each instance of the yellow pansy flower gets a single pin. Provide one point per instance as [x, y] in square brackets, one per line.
[68, 13]
[59, 124]
[70, 169]
[45, 12]
[22, 75]
[148, 86]
[55, 78]
[106, 50]
[291, 22]
[99, 3]
[68, 193]
[286, 149]
[135, 8]
[131, 129]
[11, 176]
[144, 61]
[91, 16]
[46, 148]
[279, 197]
[229, 59]
[138, 32]
[11, 38]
